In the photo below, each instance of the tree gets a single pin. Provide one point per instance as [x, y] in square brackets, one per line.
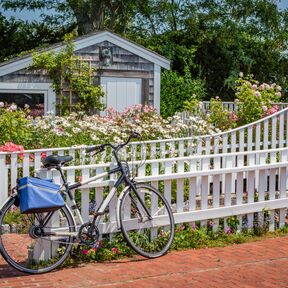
[17, 36]
[216, 39]
[88, 16]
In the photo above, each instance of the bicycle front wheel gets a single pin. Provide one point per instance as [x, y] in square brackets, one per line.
[37, 242]
[148, 230]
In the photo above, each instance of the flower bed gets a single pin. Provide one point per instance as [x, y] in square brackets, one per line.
[49, 131]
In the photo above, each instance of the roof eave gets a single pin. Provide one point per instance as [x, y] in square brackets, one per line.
[92, 40]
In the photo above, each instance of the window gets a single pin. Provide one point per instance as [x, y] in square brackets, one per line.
[34, 100]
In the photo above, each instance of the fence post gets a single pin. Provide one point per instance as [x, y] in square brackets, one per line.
[3, 179]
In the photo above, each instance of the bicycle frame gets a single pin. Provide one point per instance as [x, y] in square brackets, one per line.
[100, 211]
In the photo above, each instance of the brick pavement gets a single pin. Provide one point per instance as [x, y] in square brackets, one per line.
[257, 264]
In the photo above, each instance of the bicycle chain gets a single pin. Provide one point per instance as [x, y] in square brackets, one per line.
[95, 244]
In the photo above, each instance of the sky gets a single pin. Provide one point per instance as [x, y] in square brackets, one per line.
[28, 15]
[283, 4]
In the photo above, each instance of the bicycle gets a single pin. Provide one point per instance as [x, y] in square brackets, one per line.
[40, 242]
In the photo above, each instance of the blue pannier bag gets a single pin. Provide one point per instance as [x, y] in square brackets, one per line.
[39, 195]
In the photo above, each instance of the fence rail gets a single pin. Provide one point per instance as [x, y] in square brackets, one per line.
[208, 188]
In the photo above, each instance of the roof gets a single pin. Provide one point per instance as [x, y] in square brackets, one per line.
[90, 39]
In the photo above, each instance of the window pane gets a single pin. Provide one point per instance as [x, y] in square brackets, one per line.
[35, 101]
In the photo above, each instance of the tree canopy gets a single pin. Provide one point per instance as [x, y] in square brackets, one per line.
[215, 39]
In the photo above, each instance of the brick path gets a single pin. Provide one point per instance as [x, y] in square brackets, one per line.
[257, 264]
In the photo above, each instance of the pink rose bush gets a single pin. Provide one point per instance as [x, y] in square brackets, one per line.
[255, 100]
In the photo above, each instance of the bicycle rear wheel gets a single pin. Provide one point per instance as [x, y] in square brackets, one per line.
[152, 237]
[24, 240]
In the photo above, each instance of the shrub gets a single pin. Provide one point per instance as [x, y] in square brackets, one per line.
[220, 116]
[176, 89]
[14, 125]
[255, 100]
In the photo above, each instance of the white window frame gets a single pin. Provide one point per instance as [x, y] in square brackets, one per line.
[37, 88]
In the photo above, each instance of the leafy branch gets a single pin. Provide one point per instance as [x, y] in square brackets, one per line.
[71, 78]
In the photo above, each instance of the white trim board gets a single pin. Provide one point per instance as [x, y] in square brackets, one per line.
[92, 40]
[157, 80]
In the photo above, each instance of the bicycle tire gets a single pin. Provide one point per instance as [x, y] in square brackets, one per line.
[29, 253]
[148, 238]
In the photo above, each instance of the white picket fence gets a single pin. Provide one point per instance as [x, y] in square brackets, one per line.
[204, 188]
[239, 172]
[200, 188]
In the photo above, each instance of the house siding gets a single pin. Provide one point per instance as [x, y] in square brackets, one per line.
[125, 64]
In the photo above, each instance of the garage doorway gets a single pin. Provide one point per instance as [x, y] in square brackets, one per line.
[121, 93]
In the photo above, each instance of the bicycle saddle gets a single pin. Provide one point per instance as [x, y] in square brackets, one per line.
[54, 160]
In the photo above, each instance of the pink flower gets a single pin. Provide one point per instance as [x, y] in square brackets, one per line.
[264, 108]
[11, 147]
[254, 86]
[228, 231]
[115, 250]
[257, 94]
[234, 116]
[85, 251]
[262, 87]
[271, 111]
[193, 226]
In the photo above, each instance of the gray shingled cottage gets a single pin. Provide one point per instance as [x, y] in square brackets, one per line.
[128, 72]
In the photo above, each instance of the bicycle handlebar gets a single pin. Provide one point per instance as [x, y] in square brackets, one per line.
[100, 148]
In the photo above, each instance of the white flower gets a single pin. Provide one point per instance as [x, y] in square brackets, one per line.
[76, 130]
[13, 107]
[2, 104]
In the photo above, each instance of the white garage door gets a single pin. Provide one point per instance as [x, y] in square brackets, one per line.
[121, 92]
